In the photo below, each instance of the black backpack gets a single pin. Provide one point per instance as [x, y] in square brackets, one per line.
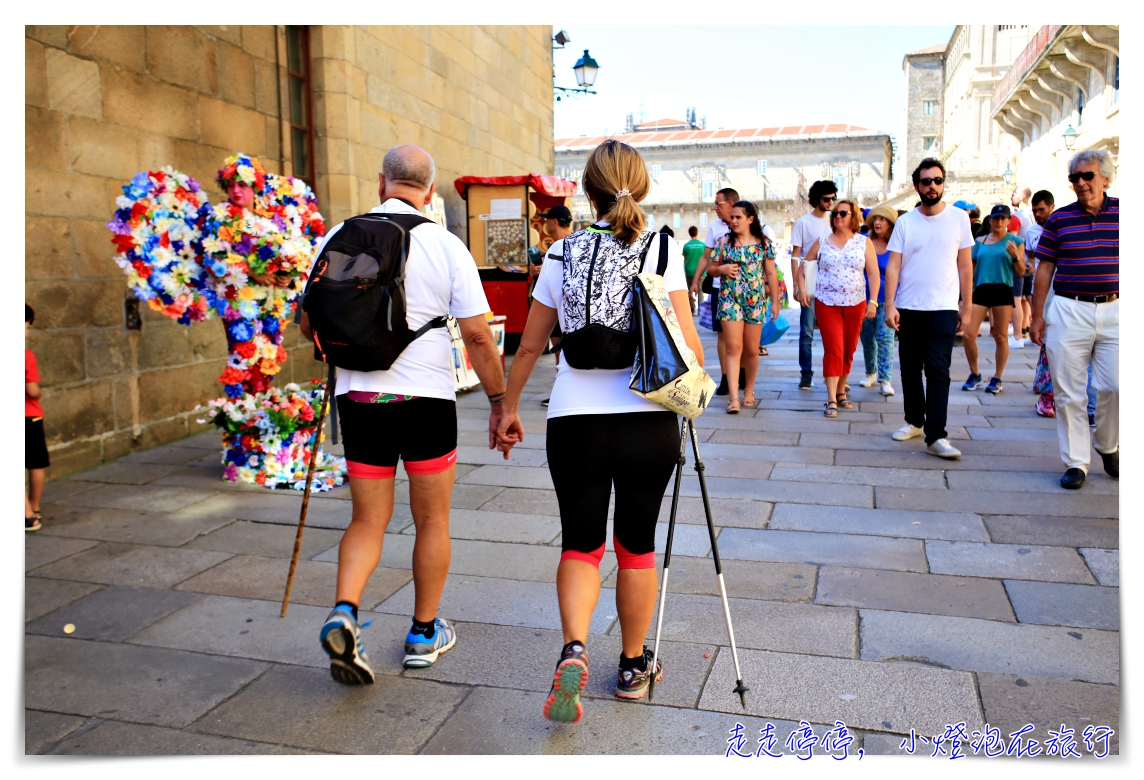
[356, 294]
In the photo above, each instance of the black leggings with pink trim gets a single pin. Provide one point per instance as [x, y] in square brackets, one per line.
[587, 455]
[422, 432]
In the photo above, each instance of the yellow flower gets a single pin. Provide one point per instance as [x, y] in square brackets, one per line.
[269, 367]
[246, 294]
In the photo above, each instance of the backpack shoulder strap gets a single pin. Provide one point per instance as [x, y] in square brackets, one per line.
[662, 267]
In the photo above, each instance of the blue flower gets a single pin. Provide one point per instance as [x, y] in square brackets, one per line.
[241, 331]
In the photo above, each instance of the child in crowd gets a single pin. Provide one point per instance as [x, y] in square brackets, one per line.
[35, 446]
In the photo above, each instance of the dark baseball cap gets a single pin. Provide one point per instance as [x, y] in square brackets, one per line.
[1000, 210]
[557, 212]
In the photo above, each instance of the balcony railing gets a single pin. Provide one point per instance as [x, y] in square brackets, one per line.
[1024, 63]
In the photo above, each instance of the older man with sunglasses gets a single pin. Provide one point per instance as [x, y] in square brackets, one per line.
[1078, 255]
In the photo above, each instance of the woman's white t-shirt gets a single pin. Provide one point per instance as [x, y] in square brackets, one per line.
[599, 391]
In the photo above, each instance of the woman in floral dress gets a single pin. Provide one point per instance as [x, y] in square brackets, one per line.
[744, 257]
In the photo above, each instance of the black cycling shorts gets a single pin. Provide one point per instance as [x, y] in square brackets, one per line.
[990, 295]
[422, 432]
[588, 454]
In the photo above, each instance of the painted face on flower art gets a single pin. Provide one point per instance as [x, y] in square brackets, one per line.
[240, 194]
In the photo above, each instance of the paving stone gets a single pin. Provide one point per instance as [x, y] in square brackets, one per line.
[130, 526]
[1012, 434]
[1022, 421]
[1011, 702]
[772, 438]
[141, 684]
[59, 489]
[1057, 604]
[509, 476]
[126, 473]
[858, 475]
[823, 549]
[535, 652]
[149, 498]
[315, 583]
[266, 539]
[920, 459]
[861, 694]
[112, 738]
[396, 716]
[483, 456]
[42, 595]
[991, 646]
[505, 602]
[464, 496]
[1015, 561]
[210, 440]
[166, 454]
[852, 441]
[524, 501]
[772, 490]
[44, 729]
[1059, 531]
[1104, 565]
[39, 550]
[281, 508]
[500, 526]
[487, 559]
[112, 563]
[891, 745]
[1034, 482]
[933, 594]
[111, 614]
[778, 454]
[953, 431]
[743, 579]
[739, 469]
[764, 625]
[532, 441]
[997, 502]
[725, 512]
[208, 477]
[880, 522]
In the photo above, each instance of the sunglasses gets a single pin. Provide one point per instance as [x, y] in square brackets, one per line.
[1086, 175]
[843, 214]
[826, 199]
[939, 180]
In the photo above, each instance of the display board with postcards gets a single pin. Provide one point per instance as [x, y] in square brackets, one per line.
[464, 377]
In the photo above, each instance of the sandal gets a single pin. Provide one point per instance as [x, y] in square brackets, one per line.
[844, 402]
[830, 409]
[749, 401]
[763, 351]
[733, 407]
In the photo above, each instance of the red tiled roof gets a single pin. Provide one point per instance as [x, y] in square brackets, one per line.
[938, 49]
[661, 123]
[699, 135]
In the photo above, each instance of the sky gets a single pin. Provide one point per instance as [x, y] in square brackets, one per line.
[741, 76]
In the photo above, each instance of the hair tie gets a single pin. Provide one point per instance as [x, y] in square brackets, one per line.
[623, 194]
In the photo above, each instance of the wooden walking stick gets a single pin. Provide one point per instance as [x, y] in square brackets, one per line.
[306, 495]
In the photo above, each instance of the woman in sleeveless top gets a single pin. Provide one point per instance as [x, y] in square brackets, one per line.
[877, 337]
[840, 303]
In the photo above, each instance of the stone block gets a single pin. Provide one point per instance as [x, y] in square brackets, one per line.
[58, 194]
[229, 126]
[509, 476]
[102, 149]
[122, 44]
[920, 459]
[743, 579]
[1011, 702]
[1025, 562]
[1058, 604]
[315, 583]
[93, 253]
[265, 87]
[120, 473]
[370, 719]
[45, 141]
[858, 475]
[140, 684]
[1061, 531]
[1104, 565]
[776, 453]
[464, 496]
[523, 501]
[42, 730]
[128, 526]
[182, 55]
[1033, 482]
[483, 456]
[773, 490]
[35, 75]
[880, 522]
[40, 550]
[1013, 434]
[483, 559]
[134, 100]
[932, 594]
[77, 411]
[506, 602]
[739, 469]
[823, 549]
[113, 563]
[111, 614]
[73, 85]
[266, 540]
[107, 352]
[59, 489]
[502, 527]
[990, 646]
[112, 738]
[71, 457]
[236, 70]
[47, 247]
[725, 512]
[996, 502]
[756, 438]
[144, 497]
[260, 40]
[875, 696]
[59, 355]
[42, 596]
[280, 509]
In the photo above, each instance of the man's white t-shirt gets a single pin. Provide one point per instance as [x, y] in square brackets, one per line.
[715, 231]
[599, 391]
[1027, 221]
[807, 230]
[1032, 238]
[440, 278]
[928, 280]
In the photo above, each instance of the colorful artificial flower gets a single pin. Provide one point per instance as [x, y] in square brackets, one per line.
[242, 168]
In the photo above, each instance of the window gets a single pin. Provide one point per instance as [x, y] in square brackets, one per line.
[708, 190]
[677, 221]
[928, 141]
[838, 176]
[301, 105]
[656, 171]
[1079, 106]
[703, 220]
[650, 219]
[762, 167]
[928, 107]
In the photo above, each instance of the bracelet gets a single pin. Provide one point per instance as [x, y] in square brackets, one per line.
[496, 398]
[497, 401]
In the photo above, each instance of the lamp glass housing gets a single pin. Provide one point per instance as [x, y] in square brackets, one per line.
[585, 70]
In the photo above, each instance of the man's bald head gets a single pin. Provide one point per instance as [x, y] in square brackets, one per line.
[409, 166]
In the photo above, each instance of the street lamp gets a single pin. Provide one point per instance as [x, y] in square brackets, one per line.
[1070, 137]
[585, 70]
[1007, 175]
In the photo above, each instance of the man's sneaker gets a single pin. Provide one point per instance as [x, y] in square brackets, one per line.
[571, 677]
[32, 524]
[943, 449]
[973, 383]
[633, 683]
[422, 651]
[869, 381]
[544, 403]
[995, 386]
[806, 383]
[723, 388]
[887, 388]
[907, 432]
[341, 639]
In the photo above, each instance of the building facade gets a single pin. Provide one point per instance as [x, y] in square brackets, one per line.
[923, 69]
[323, 103]
[772, 167]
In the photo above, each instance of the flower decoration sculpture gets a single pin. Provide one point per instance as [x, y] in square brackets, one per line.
[246, 258]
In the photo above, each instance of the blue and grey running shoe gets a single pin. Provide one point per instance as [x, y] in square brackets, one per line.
[634, 683]
[341, 639]
[994, 386]
[973, 383]
[571, 677]
[421, 650]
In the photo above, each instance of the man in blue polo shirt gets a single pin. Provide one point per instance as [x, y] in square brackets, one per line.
[1080, 244]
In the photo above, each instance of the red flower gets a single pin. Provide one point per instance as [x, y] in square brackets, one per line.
[246, 349]
[231, 376]
[138, 210]
[260, 478]
[281, 356]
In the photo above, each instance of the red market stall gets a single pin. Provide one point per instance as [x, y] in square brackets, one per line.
[502, 226]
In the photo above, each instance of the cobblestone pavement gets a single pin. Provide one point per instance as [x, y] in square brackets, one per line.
[870, 583]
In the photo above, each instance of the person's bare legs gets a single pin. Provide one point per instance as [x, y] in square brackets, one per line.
[976, 317]
[750, 356]
[361, 545]
[429, 496]
[1001, 315]
[733, 348]
[721, 348]
[832, 385]
[36, 487]
[636, 590]
[577, 590]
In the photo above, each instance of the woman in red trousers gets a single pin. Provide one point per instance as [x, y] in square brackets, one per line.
[840, 302]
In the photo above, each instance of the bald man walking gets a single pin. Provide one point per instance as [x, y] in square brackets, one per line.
[407, 412]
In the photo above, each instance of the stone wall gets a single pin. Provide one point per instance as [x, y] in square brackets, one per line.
[923, 83]
[105, 102]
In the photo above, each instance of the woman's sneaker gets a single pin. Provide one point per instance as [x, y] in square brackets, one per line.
[869, 381]
[995, 386]
[633, 683]
[1045, 406]
[887, 388]
[341, 639]
[422, 651]
[563, 704]
[973, 383]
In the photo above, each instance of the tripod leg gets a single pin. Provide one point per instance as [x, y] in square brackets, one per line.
[667, 554]
[699, 468]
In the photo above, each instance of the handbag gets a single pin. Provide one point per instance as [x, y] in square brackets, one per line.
[708, 285]
[772, 330]
[706, 317]
[666, 371]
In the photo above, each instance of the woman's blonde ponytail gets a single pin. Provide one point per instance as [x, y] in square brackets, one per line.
[616, 180]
